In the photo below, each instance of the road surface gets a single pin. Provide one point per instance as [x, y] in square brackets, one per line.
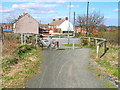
[65, 68]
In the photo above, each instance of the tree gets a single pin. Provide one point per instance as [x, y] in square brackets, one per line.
[11, 21]
[94, 20]
[102, 28]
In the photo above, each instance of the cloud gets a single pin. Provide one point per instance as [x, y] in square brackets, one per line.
[30, 8]
[5, 9]
[33, 5]
[60, 1]
[107, 17]
[116, 10]
[93, 8]
[73, 6]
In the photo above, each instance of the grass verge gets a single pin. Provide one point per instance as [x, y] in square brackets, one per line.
[70, 45]
[108, 64]
[21, 66]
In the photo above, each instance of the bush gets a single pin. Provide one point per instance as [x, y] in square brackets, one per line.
[22, 49]
[18, 55]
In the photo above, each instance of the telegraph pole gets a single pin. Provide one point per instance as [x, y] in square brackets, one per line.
[74, 25]
[87, 18]
[69, 24]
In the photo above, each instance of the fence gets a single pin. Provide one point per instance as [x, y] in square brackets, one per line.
[100, 44]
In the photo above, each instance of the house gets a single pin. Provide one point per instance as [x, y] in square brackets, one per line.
[82, 31]
[44, 29]
[26, 24]
[61, 26]
[7, 27]
[79, 30]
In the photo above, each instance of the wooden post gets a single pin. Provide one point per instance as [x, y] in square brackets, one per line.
[96, 41]
[1, 55]
[104, 46]
[36, 39]
[21, 38]
[24, 38]
[89, 41]
[98, 50]
[80, 41]
[73, 45]
[1, 42]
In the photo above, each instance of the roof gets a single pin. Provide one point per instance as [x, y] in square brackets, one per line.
[7, 30]
[24, 14]
[57, 22]
[7, 24]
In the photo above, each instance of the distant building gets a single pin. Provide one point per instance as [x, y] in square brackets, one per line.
[44, 29]
[61, 26]
[82, 31]
[7, 27]
[26, 24]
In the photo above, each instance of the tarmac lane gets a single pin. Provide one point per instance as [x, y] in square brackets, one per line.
[65, 68]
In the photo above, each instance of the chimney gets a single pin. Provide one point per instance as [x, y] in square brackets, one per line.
[24, 13]
[66, 18]
[59, 18]
[20, 16]
[53, 19]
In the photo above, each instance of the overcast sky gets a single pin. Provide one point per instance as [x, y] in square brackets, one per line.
[46, 10]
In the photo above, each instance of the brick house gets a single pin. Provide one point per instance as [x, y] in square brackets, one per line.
[26, 24]
[61, 26]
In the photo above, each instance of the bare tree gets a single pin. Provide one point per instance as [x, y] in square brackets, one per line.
[102, 28]
[11, 21]
[94, 19]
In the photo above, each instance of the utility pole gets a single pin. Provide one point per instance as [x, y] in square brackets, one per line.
[74, 25]
[87, 18]
[69, 24]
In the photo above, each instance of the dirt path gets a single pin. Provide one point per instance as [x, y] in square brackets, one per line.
[65, 69]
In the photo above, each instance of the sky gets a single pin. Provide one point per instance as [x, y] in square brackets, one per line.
[45, 11]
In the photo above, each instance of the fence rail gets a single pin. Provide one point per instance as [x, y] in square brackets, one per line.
[98, 42]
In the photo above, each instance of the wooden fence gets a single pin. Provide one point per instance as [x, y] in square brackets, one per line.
[97, 42]
[29, 38]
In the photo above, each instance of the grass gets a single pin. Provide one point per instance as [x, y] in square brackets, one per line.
[70, 45]
[16, 73]
[108, 64]
[110, 86]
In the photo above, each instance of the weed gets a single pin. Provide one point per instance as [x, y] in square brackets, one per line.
[110, 86]
[7, 78]
[69, 45]
[30, 70]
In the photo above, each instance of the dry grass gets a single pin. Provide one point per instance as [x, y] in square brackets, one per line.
[19, 73]
[11, 41]
[108, 64]
[18, 67]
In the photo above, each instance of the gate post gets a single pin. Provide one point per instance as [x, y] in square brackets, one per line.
[36, 39]
[24, 38]
[104, 46]
[98, 50]
[73, 44]
[21, 38]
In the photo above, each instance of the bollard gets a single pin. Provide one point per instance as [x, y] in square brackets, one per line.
[21, 38]
[73, 45]
[104, 46]
[24, 39]
[89, 41]
[96, 41]
[98, 50]
[36, 39]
